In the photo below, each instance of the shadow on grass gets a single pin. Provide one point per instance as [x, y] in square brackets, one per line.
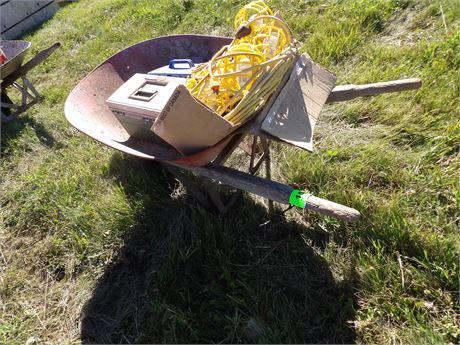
[11, 131]
[186, 275]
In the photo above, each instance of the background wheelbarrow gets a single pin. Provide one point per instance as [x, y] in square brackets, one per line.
[13, 74]
[86, 110]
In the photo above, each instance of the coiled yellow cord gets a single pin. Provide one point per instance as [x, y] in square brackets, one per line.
[241, 76]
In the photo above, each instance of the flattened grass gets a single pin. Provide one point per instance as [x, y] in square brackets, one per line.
[98, 246]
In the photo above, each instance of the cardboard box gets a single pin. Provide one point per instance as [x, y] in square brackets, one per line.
[188, 124]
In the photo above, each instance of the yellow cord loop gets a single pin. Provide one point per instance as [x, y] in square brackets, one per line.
[255, 8]
[240, 77]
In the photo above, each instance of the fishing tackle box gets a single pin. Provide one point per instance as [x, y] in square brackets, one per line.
[138, 102]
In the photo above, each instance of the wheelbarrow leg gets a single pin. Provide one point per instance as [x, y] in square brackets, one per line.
[213, 188]
[29, 96]
[268, 176]
[6, 110]
[228, 150]
[189, 185]
[259, 152]
[211, 192]
[212, 196]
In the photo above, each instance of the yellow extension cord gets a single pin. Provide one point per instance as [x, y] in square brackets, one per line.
[241, 77]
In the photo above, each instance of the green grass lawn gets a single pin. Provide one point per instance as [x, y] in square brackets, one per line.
[97, 246]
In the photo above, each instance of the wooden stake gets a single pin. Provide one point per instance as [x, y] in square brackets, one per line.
[443, 19]
[401, 268]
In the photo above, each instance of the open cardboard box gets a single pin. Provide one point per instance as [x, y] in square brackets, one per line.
[189, 125]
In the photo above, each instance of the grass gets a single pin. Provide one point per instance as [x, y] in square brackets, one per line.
[96, 246]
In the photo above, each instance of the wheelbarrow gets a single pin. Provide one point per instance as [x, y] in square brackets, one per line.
[13, 73]
[86, 110]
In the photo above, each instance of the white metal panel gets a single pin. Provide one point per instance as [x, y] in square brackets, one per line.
[17, 17]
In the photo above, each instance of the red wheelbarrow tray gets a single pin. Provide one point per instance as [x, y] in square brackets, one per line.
[86, 107]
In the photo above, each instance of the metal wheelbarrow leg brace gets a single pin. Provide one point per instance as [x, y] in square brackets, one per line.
[17, 78]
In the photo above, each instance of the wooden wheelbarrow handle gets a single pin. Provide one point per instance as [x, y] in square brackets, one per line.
[332, 209]
[343, 93]
[271, 190]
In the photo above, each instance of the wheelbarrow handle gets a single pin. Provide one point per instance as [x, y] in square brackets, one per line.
[343, 93]
[330, 208]
[272, 190]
